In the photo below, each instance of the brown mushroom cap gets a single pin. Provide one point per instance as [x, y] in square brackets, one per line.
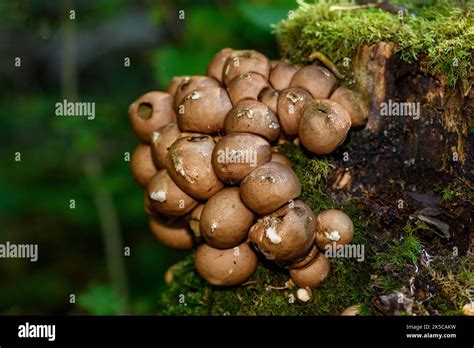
[161, 142]
[204, 110]
[141, 164]
[225, 267]
[246, 86]
[318, 81]
[189, 165]
[150, 112]
[189, 84]
[174, 84]
[166, 197]
[171, 232]
[237, 154]
[193, 220]
[269, 97]
[353, 102]
[290, 103]
[278, 157]
[251, 116]
[286, 234]
[216, 65]
[324, 126]
[333, 226]
[225, 220]
[313, 274]
[282, 74]
[245, 61]
[269, 187]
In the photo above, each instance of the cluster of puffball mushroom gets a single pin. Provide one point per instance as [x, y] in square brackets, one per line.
[213, 176]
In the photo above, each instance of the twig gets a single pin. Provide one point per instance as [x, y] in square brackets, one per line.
[327, 62]
[250, 282]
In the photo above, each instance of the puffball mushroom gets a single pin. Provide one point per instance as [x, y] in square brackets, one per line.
[161, 142]
[333, 226]
[353, 102]
[204, 110]
[313, 274]
[324, 126]
[286, 234]
[189, 165]
[171, 232]
[225, 220]
[150, 112]
[216, 65]
[269, 97]
[166, 197]
[282, 74]
[269, 187]
[251, 116]
[246, 86]
[237, 154]
[141, 164]
[245, 61]
[290, 103]
[225, 267]
[318, 81]
[304, 295]
[189, 84]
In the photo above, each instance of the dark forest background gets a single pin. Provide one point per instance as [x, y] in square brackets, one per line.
[72, 158]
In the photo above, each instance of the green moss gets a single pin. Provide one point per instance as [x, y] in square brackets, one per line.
[441, 36]
[312, 172]
[400, 252]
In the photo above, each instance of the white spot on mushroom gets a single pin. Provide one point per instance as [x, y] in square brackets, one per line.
[245, 113]
[332, 118]
[178, 165]
[274, 125]
[213, 228]
[159, 196]
[333, 235]
[268, 178]
[155, 137]
[272, 234]
[231, 271]
[194, 95]
[294, 97]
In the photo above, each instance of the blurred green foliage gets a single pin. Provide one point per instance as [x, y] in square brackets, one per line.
[35, 192]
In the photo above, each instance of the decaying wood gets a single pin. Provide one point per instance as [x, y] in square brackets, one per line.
[439, 140]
